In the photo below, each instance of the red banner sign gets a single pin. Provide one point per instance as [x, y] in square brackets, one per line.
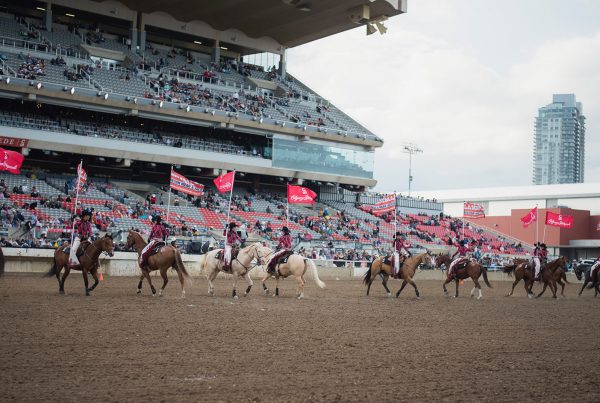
[224, 183]
[299, 194]
[13, 142]
[11, 161]
[183, 184]
[530, 218]
[473, 210]
[559, 220]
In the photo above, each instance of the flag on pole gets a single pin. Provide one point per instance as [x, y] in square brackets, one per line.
[300, 194]
[184, 185]
[11, 161]
[559, 220]
[81, 177]
[224, 183]
[473, 210]
[388, 204]
[529, 218]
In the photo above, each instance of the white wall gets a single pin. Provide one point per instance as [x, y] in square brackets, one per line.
[503, 208]
[582, 203]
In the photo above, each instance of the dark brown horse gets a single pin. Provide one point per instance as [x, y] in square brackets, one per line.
[471, 269]
[552, 273]
[407, 272]
[522, 271]
[513, 265]
[168, 256]
[88, 262]
[584, 271]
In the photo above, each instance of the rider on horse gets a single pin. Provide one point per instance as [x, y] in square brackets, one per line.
[233, 239]
[399, 256]
[462, 254]
[540, 255]
[158, 235]
[283, 247]
[83, 231]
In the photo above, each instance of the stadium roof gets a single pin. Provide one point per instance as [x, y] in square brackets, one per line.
[572, 190]
[289, 22]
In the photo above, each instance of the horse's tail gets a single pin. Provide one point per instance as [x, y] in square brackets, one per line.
[53, 269]
[484, 272]
[367, 278]
[315, 274]
[181, 270]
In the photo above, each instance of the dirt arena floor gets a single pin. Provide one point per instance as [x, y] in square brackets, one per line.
[336, 345]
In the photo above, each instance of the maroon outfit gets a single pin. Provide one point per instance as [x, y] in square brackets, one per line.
[83, 229]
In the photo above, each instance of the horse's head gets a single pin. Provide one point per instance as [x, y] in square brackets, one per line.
[578, 269]
[262, 254]
[107, 245]
[131, 236]
[427, 260]
[442, 259]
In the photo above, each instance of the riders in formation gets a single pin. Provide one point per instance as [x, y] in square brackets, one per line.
[158, 236]
[83, 231]
[232, 240]
[400, 252]
[461, 251]
[284, 247]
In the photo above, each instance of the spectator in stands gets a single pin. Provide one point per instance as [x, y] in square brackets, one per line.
[34, 192]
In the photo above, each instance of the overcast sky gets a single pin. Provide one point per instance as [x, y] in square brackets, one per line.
[463, 80]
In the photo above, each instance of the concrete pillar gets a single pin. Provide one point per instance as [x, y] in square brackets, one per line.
[48, 16]
[142, 40]
[133, 34]
[283, 64]
[216, 52]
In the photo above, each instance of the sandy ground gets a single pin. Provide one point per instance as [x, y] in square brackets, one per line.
[336, 345]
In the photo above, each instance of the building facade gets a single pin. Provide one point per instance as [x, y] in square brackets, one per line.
[559, 142]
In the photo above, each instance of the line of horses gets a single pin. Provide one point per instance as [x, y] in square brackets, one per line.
[298, 266]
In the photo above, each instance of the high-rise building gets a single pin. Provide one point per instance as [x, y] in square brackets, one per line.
[559, 142]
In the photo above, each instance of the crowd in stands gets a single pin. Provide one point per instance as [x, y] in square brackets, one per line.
[31, 67]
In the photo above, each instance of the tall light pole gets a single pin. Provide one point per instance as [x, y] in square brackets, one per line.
[410, 149]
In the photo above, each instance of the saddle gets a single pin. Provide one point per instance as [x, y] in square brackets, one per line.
[464, 262]
[234, 253]
[80, 251]
[280, 260]
[156, 249]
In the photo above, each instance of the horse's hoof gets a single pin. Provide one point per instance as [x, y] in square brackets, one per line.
[87, 294]
[160, 293]
[235, 297]
[418, 298]
[138, 291]
[266, 292]
[182, 294]
[61, 292]
[478, 298]
[154, 294]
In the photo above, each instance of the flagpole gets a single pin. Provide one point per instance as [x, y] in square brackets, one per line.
[229, 207]
[395, 215]
[76, 199]
[463, 221]
[169, 198]
[537, 226]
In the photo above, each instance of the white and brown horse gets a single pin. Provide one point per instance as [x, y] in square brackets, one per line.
[381, 267]
[296, 266]
[241, 265]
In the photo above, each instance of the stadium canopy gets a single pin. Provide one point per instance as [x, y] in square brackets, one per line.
[289, 22]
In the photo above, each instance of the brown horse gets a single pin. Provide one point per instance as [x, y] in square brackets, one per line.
[471, 269]
[168, 256]
[513, 265]
[552, 273]
[583, 271]
[406, 273]
[88, 262]
[522, 271]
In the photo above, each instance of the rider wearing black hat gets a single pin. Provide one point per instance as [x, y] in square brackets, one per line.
[461, 251]
[83, 231]
[232, 239]
[158, 234]
[283, 247]
[399, 257]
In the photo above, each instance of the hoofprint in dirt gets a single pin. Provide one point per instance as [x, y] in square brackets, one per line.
[337, 344]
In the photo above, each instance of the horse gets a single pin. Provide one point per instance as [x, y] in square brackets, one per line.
[167, 256]
[552, 273]
[88, 262]
[584, 270]
[522, 271]
[240, 267]
[472, 269]
[513, 264]
[296, 266]
[406, 273]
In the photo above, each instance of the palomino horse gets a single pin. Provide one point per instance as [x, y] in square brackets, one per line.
[296, 266]
[472, 270]
[240, 267]
[168, 256]
[407, 272]
[88, 262]
[583, 271]
[553, 273]
[522, 271]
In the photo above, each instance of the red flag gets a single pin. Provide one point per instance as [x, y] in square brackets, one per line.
[530, 218]
[183, 184]
[224, 183]
[81, 177]
[559, 220]
[299, 194]
[11, 161]
[386, 205]
[473, 210]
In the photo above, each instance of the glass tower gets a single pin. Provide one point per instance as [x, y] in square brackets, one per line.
[559, 142]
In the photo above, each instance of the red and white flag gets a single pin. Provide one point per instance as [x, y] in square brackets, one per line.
[299, 194]
[184, 185]
[388, 204]
[530, 217]
[224, 183]
[473, 210]
[11, 161]
[559, 220]
[81, 177]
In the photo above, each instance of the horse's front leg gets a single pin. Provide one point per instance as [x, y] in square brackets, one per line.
[385, 277]
[264, 283]
[84, 272]
[456, 281]
[543, 290]
[94, 273]
[585, 282]
[139, 287]
[250, 283]
[401, 288]
[448, 280]
[235, 280]
[147, 276]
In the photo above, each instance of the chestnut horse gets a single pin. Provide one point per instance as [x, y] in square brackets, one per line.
[168, 256]
[88, 262]
[583, 271]
[472, 269]
[552, 273]
[296, 266]
[522, 271]
[406, 273]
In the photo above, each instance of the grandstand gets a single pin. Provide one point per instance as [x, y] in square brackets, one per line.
[131, 92]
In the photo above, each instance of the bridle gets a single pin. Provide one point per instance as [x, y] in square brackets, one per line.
[262, 259]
